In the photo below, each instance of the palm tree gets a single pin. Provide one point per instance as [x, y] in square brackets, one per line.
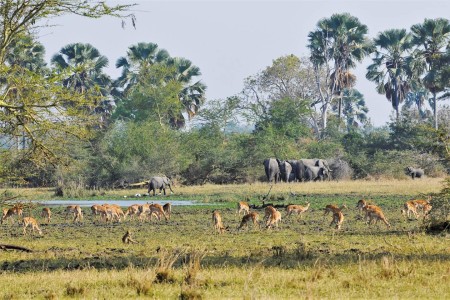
[27, 53]
[354, 108]
[431, 37]
[337, 44]
[390, 69]
[137, 66]
[137, 62]
[84, 65]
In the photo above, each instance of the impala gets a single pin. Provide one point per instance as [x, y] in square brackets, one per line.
[243, 207]
[76, 211]
[217, 222]
[253, 216]
[46, 214]
[297, 209]
[167, 209]
[29, 221]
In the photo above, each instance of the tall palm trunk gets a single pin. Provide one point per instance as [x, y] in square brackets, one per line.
[341, 94]
[435, 111]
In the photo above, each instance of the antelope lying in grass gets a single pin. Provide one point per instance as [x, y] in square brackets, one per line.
[46, 214]
[243, 207]
[374, 213]
[217, 222]
[29, 221]
[253, 216]
[76, 211]
[16, 210]
[297, 209]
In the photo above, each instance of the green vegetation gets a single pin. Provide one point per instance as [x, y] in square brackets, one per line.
[303, 258]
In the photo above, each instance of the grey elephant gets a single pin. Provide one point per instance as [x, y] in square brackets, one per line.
[159, 183]
[414, 172]
[314, 173]
[309, 162]
[272, 169]
[285, 170]
[298, 170]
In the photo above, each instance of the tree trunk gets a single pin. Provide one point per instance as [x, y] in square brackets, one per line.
[340, 110]
[435, 111]
[324, 118]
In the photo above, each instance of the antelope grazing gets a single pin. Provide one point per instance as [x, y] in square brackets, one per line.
[29, 221]
[297, 209]
[10, 212]
[152, 209]
[426, 210]
[274, 219]
[408, 208]
[374, 213]
[167, 209]
[114, 211]
[243, 207]
[95, 209]
[268, 211]
[76, 211]
[46, 214]
[338, 216]
[253, 216]
[333, 208]
[360, 205]
[132, 211]
[217, 222]
[338, 219]
[421, 204]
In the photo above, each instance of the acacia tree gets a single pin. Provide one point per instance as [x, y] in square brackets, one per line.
[336, 45]
[289, 77]
[33, 102]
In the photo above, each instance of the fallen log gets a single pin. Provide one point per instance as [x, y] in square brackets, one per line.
[13, 247]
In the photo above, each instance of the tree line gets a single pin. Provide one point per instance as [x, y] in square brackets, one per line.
[68, 122]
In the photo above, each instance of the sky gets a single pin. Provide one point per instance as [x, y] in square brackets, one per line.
[232, 40]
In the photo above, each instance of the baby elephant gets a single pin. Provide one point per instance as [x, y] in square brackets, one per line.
[414, 173]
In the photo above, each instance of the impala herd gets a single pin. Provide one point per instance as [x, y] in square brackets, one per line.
[272, 217]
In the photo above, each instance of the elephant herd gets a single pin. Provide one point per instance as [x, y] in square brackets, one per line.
[296, 170]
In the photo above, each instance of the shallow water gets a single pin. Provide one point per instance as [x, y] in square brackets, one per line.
[122, 203]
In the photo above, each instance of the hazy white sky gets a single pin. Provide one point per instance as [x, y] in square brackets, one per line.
[231, 40]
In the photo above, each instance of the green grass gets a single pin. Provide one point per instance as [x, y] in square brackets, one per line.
[303, 259]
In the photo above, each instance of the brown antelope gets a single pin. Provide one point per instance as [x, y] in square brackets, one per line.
[29, 221]
[133, 211]
[167, 209]
[374, 213]
[243, 207]
[95, 209]
[426, 210]
[268, 211]
[333, 208]
[152, 209]
[114, 211]
[217, 222]
[421, 204]
[46, 214]
[10, 212]
[274, 219]
[297, 209]
[338, 219]
[253, 216]
[408, 208]
[361, 204]
[338, 216]
[76, 211]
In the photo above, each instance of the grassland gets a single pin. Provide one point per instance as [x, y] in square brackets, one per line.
[304, 258]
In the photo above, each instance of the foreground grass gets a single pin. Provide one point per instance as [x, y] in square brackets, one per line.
[305, 258]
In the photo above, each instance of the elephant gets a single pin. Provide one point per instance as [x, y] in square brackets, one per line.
[315, 173]
[414, 172]
[272, 169]
[308, 162]
[159, 183]
[285, 169]
[298, 169]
